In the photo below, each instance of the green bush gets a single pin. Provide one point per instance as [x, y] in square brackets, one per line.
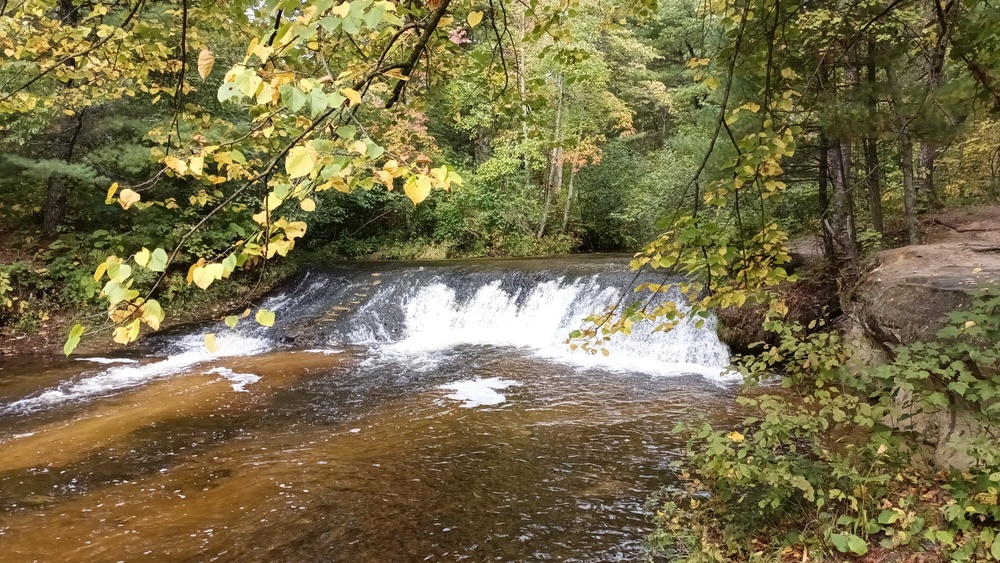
[824, 466]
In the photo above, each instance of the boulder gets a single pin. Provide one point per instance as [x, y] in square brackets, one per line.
[906, 296]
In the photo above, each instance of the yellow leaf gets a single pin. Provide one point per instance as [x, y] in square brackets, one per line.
[210, 342]
[265, 317]
[475, 18]
[142, 257]
[341, 10]
[263, 52]
[295, 229]
[152, 314]
[69, 112]
[111, 193]
[126, 334]
[196, 265]
[735, 437]
[175, 164]
[206, 60]
[196, 165]
[352, 95]
[384, 177]
[127, 198]
[299, 162]
[397, 74]
[308, 205]
[100, 271]
[202, 278]
[417, 188]
[215, 270]
[359, 147]
[970, 324]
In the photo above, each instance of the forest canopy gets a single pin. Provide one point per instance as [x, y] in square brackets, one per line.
[151, 147]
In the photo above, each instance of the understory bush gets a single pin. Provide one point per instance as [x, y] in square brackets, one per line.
[828, 465]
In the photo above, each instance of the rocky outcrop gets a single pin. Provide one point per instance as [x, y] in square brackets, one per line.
[906, 295]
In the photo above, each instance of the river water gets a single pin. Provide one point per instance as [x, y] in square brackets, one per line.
[396, 412]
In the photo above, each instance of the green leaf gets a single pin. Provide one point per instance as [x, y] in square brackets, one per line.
[231, 321]
[335, 99]
[856, 544]
[247, 82]
[292, 97]
[839, 541]
[374, 15]
[887, 517]
[374, 151]
[119, 272]
[158, 260]
[227, 91]
[995, 549]
[265, 317]
[347, 132]
[317, 102]
[74, 339]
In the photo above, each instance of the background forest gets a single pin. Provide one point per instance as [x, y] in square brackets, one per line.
[572, 127]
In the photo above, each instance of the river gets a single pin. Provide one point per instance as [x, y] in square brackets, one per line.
[395, 412]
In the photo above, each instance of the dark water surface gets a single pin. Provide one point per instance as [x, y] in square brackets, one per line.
[363, 449]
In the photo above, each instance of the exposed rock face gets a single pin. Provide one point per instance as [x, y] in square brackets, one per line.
[906, 297]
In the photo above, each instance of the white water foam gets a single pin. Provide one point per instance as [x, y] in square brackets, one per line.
[541, 317]
[324, 351]
[479, 392]
[239, 380]
[108, 360]
[192, 352]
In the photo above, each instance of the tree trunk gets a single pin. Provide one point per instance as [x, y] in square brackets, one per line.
[936, 57]
[65, 131]
[557, 160]
[843, 203]
[871, 147]
[483, 145]
[554, 184]
[906, 157]
[874, 187]
[928, 157]
[548, 201]
[569, 198]
[824, 198]
[525, 111]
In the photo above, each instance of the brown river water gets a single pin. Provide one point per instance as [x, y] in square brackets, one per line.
[433, 416]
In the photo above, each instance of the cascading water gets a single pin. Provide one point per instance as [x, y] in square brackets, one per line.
[394, 412]
[424, 310]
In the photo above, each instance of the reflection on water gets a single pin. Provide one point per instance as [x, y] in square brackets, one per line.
[348, 457]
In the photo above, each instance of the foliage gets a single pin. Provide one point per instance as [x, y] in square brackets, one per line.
[827, 463]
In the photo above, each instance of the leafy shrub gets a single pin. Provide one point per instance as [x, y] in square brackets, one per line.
[823, 465]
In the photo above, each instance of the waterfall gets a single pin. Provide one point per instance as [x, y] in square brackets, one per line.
[530, 305]
[420, 312]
